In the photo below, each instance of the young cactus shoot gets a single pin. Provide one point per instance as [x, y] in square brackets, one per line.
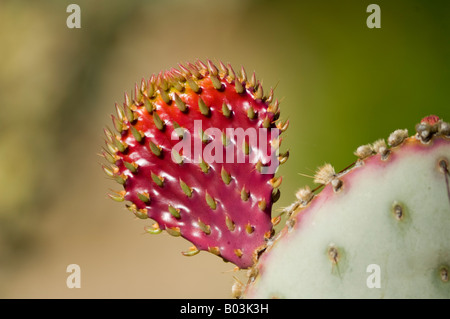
[196, 150]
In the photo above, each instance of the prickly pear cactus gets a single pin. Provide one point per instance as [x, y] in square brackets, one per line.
[380, 229]
[194, 149]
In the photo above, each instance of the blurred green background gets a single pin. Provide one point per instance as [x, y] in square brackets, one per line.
[340, 83]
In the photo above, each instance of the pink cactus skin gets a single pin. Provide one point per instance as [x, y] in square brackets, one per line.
[223, 208]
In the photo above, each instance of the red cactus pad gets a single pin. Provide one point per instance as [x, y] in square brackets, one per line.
[197, 151]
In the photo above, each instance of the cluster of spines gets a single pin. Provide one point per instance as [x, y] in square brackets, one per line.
[167, 87]
[160, 86]
[431, 126]
[145, 94]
